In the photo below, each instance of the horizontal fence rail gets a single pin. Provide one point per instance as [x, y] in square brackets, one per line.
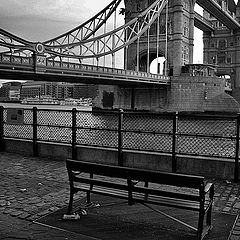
[175, 134]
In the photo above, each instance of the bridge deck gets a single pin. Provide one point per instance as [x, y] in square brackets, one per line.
[23, 68]
[202, 23]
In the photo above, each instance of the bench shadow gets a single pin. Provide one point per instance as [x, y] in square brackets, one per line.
[115, 220]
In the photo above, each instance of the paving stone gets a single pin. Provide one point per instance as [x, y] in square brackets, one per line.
[43, 213]
[237, 223]
[24, 215]
[236, 232]
[237, 205]
[32, 217]
[237, 228]
[41, 204]
[232, 199]
[53, 209]
[16, 213]
[226, 209]
[234, 237]
[7, 211]
[235, 210]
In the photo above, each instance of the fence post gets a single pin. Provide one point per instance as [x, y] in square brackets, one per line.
[35, 147]
[174, 142]
[2, 148]
[74, 133]
[120, 140]
[236, 174]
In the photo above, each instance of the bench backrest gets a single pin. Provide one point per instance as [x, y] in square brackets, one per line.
[174, 179]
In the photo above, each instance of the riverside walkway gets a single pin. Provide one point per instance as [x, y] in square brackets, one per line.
[33, 187]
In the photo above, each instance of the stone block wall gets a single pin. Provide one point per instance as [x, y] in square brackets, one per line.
[185, 93]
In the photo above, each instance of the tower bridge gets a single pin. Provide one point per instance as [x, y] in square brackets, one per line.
[152, 29]
[223, 11]
[202, 23]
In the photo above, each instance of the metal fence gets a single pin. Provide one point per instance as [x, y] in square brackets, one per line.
[175, 134]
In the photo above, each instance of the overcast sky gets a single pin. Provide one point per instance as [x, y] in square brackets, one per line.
[39, 20]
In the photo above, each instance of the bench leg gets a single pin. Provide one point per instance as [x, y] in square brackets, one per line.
[91, 187]
[203, 231]
[88, 197]
[200, 225]
[70, 204]
[209, 217]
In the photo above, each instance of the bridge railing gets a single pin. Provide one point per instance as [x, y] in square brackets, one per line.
[207, 136]
[19, 60]
[72, 67]
[100, 69]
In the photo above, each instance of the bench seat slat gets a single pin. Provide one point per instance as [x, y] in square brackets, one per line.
[103, 191]
[146, 190]
[101, 182]
[184, 196]
[140, 197]
[166, 201]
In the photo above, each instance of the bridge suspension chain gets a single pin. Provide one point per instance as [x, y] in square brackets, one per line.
[87, 29]
[14, 45]
[83, 41]
[11, 44]
[112, 41]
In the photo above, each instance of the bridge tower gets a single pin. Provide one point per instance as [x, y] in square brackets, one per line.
[222, 47]
[180, 34]
[194, 87]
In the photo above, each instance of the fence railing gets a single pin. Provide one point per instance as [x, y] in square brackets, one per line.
[175, 134]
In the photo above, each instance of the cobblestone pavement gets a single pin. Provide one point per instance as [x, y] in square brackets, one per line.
[32, 187]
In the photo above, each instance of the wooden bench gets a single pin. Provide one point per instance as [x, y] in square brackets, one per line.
[145, 187]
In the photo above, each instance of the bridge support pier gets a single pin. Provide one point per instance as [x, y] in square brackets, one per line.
[185, 94]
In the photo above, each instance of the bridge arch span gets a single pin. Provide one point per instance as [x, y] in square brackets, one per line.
[145, 59]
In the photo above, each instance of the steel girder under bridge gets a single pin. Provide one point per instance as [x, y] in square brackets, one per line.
[223, 16]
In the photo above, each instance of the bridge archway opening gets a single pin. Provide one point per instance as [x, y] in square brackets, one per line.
[228, 82]
[152, 62]
[157, 66]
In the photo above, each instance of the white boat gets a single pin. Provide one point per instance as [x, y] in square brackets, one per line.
[40, 100]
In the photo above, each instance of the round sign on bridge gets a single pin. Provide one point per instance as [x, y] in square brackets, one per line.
[39, 48]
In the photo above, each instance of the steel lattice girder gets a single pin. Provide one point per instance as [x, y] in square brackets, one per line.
[71, 45]
[85, 30]
[112, 41]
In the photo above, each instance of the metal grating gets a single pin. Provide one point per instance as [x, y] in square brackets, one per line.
[147, 142]
[97, 120]
[18, 131]
[149, 123]
[218, 147]
[57, 134]
[97, 138]
[55, 118]
[212, 127]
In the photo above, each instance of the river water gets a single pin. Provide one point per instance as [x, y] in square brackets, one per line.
[42, 106]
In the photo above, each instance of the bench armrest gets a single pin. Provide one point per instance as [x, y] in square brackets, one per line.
[209, 188]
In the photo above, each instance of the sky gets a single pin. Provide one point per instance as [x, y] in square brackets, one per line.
[40, 20]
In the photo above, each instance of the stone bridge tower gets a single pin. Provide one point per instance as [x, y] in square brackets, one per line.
[193, 88]
[222, 47]
[180, 36]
